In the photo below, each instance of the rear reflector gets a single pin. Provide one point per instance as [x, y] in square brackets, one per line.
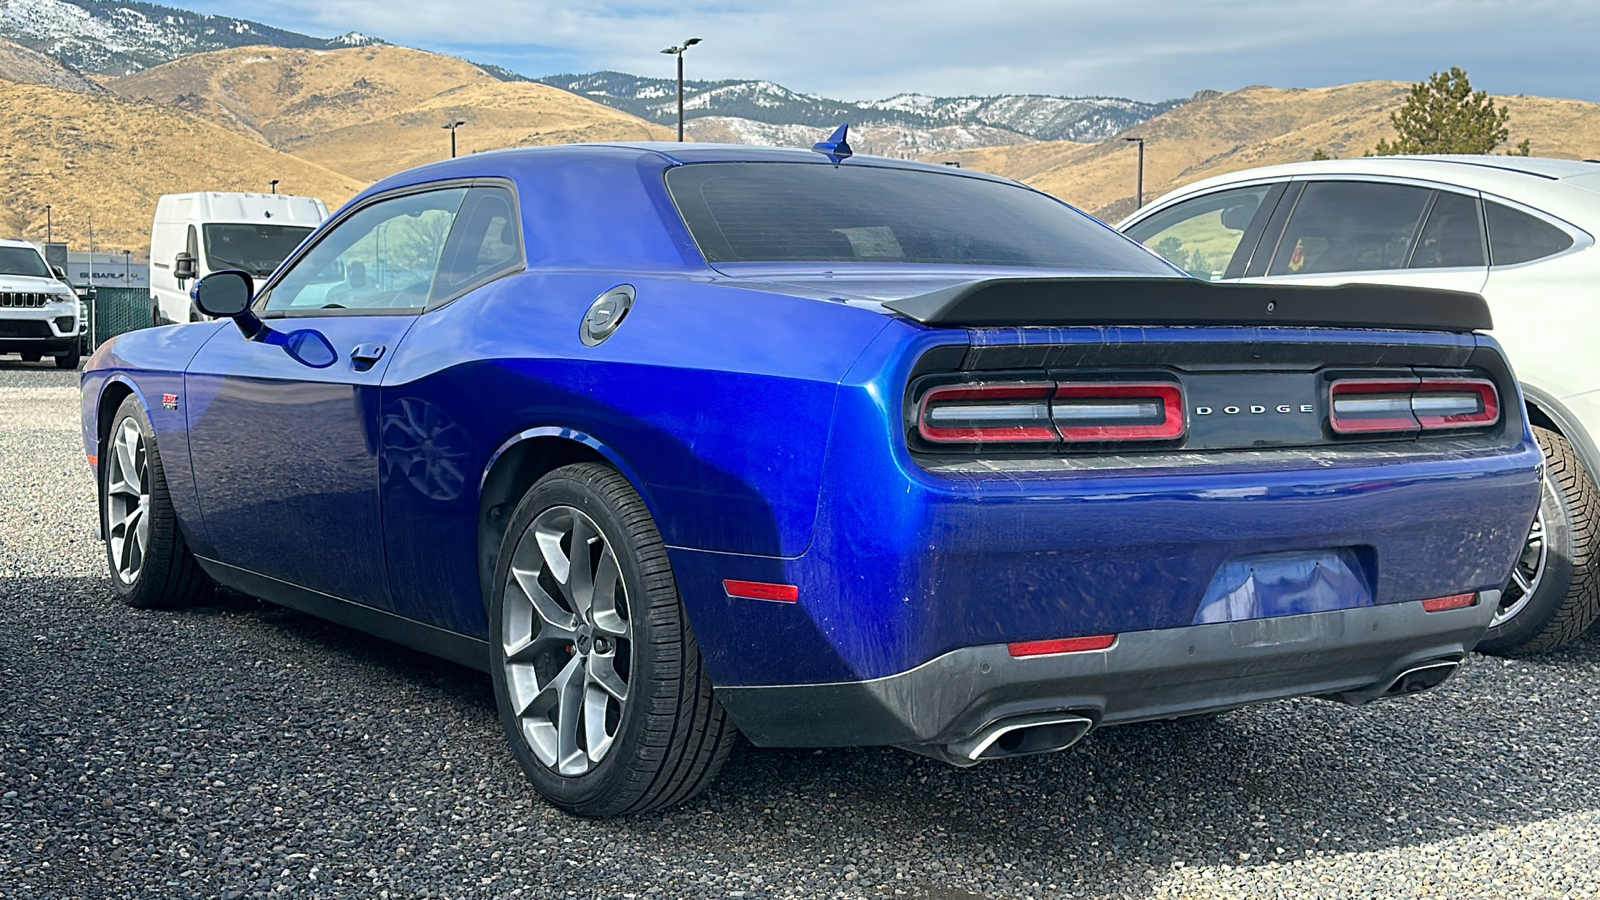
[760, 590]
[1455, 601]
[1062, 645]
[1117, 411]
[1400, 406]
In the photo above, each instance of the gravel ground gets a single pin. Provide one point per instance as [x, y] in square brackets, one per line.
[242, 750]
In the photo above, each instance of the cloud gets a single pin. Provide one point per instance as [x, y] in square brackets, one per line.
[869, 49]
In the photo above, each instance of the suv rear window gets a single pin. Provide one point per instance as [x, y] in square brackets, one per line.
[783, 212]
[1516, 237]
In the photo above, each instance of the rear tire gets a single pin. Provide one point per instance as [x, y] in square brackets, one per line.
[569, 629]
[151, 566]
[1554, 594]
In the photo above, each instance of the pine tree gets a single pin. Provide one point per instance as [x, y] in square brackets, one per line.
[1444, 115]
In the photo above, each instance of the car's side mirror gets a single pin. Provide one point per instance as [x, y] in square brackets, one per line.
[183, 266]
[60, 273]
[227, 295]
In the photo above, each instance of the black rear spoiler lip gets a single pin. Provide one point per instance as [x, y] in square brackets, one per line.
[1022, 302]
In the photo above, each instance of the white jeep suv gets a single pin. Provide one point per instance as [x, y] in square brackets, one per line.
[1519, 231]
[38, 311]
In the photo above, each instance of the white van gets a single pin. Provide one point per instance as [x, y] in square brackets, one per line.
[200, 233]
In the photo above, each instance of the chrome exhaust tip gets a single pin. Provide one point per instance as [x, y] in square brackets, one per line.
[1413, 680]
[1023, 735]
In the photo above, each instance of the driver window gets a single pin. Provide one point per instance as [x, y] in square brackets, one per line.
[382, 258]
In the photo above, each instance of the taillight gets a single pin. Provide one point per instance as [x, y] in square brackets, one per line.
[988, 413]
[1114, 411]
[1050, 412]
[1408, 405]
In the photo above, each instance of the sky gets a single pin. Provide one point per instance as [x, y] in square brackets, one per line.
[873, 49]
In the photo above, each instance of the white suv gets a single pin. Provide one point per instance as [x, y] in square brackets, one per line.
[38, 310]
[1519, 231]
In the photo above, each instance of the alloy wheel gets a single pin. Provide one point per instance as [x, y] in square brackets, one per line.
[1528, 574]
[128, 501]
[567, 640]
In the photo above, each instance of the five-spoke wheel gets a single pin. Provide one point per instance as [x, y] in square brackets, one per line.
[127, 500]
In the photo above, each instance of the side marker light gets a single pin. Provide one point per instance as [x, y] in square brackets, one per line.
[1061, 645]
[760, 590]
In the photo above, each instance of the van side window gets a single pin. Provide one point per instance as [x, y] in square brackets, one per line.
[1516, 237]
[1453, 236]
[1347, 226]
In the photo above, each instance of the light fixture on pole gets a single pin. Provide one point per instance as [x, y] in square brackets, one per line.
[451, 127]
[274, 184]
[678, 52]
[1139, 196]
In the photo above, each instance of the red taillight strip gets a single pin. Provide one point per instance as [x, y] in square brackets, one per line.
[1032, 423]
[1454, 601]
[1401, 388]
[761, 590]
[1488, 411]
[1171, 427]
[1061, 645]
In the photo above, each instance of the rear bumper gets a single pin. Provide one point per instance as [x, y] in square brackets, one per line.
[947, 703]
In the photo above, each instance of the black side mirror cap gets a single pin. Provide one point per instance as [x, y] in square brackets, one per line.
[227, 295]
[183, 266]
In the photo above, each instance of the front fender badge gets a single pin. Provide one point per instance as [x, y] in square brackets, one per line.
[169, 401]
[605, 315]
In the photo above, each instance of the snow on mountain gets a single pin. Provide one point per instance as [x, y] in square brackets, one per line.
[923, 124]
[115, 37]
[883, 139]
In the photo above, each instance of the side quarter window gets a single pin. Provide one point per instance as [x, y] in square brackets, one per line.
[1350, 226]
[485, 243]
[382, 257]
[1202, 235]
[1516, 237]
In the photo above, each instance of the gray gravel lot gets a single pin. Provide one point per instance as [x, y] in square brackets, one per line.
[243, 750]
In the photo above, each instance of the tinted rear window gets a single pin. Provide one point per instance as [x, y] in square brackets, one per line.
[783, 212]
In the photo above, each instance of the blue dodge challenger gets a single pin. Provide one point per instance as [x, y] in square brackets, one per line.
[679, 442]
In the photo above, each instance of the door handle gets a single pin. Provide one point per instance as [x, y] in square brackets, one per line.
[364, 356]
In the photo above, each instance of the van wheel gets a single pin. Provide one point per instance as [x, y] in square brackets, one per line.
[597, 675]
[1554, 594]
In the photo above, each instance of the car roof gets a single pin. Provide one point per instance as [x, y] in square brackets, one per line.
[14, 242]
[1566, 187]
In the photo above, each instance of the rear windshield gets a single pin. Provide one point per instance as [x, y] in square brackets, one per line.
[257, 249]
[782, 212]
[22, 261]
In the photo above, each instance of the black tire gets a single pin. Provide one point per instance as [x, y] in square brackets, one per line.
[1566, 596]
[31, 357]
[672, 735]
[68, 360]
[169, 577]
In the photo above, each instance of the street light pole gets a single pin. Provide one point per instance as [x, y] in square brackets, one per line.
[274, 184]
[678, 52]
[1139, 197]
[451, 127]
[47, 223]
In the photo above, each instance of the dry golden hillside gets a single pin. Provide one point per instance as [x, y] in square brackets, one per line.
[498, 115]
[87, 153]
[279, 95]
[372, 111]
[1258, 126]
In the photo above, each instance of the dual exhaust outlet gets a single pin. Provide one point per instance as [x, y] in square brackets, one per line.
[1052, 731]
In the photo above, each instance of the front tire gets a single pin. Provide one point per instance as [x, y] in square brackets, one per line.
[1554, 594]
[597, 675]
[68, 360]
[151, 566]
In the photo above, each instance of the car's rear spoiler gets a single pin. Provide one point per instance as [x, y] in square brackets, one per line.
[1186, 301]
